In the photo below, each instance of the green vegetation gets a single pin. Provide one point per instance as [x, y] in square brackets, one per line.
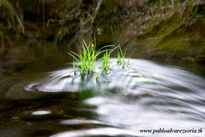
[125, 94]
[105, 62]
[121, 58]
[128, 62]
[98, 75]
[89, 56]
[74, 67]
[1, 1]
[105, 59]
[151, 29]
[87, 59]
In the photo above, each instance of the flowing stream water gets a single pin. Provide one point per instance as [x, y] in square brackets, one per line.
[143, 99]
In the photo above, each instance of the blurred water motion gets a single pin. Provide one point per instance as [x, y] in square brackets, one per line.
[143, 96]
[157, 96]
[97, 132]
[40, 112]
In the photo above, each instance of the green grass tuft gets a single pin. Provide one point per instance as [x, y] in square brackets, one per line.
[87, 59]
[121, 58]
[105, 62]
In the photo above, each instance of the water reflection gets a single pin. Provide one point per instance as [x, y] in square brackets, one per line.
[40, 112]
[143, 96]
[97, 132]
[156, 97]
